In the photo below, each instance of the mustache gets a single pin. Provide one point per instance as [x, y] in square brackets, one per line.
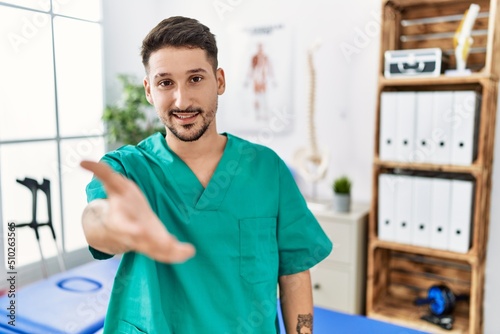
[185, 111]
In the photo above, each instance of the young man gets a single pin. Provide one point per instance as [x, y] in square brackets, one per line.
[232, 201]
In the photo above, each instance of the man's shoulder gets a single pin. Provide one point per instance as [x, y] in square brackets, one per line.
[252, 148]
[121, 154]
[133, 151]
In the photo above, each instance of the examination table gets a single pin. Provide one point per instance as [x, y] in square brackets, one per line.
[76, 301]
[332, 322]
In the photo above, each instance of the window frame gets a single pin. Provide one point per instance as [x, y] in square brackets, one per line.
[33, 271]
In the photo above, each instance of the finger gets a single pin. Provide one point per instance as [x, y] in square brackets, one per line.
[170, 249]
[112, 181]
[180, 252]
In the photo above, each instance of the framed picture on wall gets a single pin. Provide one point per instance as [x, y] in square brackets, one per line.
[259, 91]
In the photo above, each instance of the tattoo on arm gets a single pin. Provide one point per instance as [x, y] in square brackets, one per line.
[305, 324]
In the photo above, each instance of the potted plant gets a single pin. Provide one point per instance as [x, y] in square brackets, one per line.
[342, 194]
[132, 118]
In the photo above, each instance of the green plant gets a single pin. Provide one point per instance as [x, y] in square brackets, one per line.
[127, 121]
[342, 185]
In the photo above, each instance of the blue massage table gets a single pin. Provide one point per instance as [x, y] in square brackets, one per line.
[74, 301]
[333, 322]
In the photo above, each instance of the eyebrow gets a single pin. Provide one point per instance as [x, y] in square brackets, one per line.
[166, 74]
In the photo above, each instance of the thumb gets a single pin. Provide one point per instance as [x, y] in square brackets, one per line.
[112, 181]
[181, 252]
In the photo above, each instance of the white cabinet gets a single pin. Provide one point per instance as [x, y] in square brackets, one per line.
[339, 280]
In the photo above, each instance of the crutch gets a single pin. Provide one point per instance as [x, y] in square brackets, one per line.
[34, 186]
[45, 187]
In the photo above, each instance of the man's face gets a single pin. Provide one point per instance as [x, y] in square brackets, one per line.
[183, 87]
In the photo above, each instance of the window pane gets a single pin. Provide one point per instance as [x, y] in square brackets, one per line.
[74, 181]
[36, 161]
[34, 4]
[83, 9]
[79, 76]
[27, 82]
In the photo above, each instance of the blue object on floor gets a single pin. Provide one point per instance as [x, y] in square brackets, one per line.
[74, 301]
[333, 322]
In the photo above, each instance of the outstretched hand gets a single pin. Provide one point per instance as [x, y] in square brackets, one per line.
[131, 222]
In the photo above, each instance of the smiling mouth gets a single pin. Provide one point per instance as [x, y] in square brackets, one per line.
[185, 116]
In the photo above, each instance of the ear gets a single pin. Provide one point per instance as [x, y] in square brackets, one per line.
[147, 90]
[221, 81]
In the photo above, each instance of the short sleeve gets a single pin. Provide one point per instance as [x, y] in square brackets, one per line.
[95, 190]
[302, 243]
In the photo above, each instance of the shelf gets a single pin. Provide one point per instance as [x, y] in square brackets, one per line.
[404, 313]
[403, 276]
[467, 257]
[399, 273]
[412, 3]
[474, 78]
[472, 169]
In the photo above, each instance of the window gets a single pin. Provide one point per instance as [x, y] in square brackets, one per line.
[50, 116]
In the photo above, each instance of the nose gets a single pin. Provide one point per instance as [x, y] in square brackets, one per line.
[181, 98]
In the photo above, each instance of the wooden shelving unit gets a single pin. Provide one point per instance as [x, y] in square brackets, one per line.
[472, 169]
[475, 78]
[399, 273]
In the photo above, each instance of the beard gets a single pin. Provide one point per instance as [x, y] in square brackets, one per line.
[189, 132]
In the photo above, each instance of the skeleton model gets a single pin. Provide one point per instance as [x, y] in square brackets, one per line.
[463, 39]
[311, 162]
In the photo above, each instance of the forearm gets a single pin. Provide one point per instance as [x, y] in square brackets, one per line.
[296, 302]
[96, 233]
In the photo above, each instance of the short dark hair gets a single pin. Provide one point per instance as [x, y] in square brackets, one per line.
[179, 31]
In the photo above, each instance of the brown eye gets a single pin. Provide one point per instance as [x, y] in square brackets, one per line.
[196, 79]
[165, 83]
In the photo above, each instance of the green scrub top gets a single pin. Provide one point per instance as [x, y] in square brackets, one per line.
[249, 225]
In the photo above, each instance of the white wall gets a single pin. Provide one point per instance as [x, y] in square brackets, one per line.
[346, 85]
[125, 24]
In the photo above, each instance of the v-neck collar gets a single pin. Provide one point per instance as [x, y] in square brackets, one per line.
[189, 187]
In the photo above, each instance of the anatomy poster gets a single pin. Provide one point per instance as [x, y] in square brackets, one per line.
[259, 88]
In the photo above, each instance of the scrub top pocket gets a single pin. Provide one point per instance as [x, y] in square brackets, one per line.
[258, 249]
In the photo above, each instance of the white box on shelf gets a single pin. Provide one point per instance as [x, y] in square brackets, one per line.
[404, 219]
[442, 127]
[422, 206]
[405, 126]
[464, 127]
[414, 63]
[388, 116]
[387, 191]
[462, 195]
[424, 142]
[440, 218]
